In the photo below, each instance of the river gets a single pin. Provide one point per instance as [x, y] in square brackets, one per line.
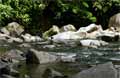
[86, 58]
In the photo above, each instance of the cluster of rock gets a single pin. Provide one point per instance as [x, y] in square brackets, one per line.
[107, 70]
[92, 35]
[13, 32]
[8, 62]
[40, 57]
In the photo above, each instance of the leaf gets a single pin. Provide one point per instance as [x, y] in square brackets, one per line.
[105, 9]
[93, 19]
[85, 4]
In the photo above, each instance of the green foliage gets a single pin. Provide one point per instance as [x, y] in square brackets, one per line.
[74, 12]
[42, 14]
[105, 9]
[5, 13]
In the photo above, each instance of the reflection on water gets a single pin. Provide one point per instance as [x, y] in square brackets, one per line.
[86, 57]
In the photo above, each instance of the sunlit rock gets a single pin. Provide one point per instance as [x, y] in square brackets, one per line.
[115, 22]
[109, 35]
[29, 38]
[52, 31]
[5, 31]
[91, 28]
[92, 43]
[13, 29]
[12, 39]
[67, 36]
[68, 27]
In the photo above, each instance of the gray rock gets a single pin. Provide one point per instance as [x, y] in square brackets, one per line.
[118, 72]
[25, 45]
[15, 55]
[91, 28]
[115, 22]
[39, 57]
[106, 70]
[92, 43]
[65, 37]
[13, 39]
[68, 27]
[29, 38]
[13, 29]
[14, 73]
[4, 68]
[6, 76]
[5, 31]
[51, 73]
[49, 46]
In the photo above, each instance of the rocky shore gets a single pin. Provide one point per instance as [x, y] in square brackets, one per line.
[91, 36]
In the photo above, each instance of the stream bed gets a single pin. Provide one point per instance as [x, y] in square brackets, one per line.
[86, 58]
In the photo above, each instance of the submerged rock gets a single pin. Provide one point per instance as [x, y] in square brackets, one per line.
[51, 73]
[7, 76]
[106, 70]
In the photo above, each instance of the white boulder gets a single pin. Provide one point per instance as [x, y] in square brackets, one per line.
[92, 43]
[68, 27]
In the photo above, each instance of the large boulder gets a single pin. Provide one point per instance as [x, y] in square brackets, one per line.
[92, 43]
[39, 57]
[66, 36]
[92, 31]
[51, 73]
[68, 27]
[115, 22]
[109, 35]
[13, 29]
[106, 70]
[91, 28]
[52, 31]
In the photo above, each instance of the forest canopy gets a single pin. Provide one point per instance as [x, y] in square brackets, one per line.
[39, 15]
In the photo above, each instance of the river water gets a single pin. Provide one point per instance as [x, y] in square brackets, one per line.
[86, 57]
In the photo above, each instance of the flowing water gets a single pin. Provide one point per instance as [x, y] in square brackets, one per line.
[86, 58]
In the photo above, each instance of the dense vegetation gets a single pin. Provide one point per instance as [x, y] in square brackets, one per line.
[37, 15]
